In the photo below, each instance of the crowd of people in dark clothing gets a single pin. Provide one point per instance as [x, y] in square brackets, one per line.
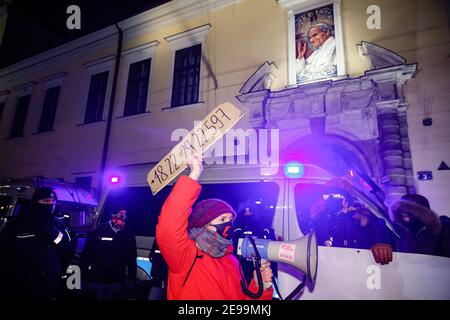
[341, 221]
[37, 248]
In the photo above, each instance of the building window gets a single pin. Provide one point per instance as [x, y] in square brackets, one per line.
[21, 114]
[96, 97]
[186, 76]
[49, 109]
[137, 88]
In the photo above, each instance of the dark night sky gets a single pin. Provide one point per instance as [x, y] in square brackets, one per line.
[35, 26]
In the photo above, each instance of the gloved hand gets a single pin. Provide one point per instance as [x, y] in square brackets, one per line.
[382, 252]
[266, 273]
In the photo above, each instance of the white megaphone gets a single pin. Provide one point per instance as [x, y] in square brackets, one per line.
[300, 253]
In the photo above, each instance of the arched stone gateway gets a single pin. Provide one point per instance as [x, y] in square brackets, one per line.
[334, 153]
[362, 118]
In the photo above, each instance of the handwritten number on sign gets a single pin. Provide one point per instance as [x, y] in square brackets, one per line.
[172, 160]
[205, 124]
[160, 174]
[199, 139]
[216, 120]
[223, 114]
[205, 140]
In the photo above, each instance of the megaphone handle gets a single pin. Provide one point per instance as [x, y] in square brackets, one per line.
[266, 284]
[258, 280]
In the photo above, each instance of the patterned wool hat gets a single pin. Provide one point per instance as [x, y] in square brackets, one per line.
[207, 210]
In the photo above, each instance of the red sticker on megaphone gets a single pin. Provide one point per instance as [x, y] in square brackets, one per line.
[286, 252]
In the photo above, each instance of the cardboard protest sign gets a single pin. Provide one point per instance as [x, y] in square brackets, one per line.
[204, 135]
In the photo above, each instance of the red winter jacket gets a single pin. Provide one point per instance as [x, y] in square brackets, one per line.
[210, 278]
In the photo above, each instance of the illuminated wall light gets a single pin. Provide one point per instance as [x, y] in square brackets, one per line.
[258, 202]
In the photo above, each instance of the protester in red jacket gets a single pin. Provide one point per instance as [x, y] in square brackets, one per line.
[197, 247]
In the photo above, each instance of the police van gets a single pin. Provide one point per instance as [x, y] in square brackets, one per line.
[282, 199]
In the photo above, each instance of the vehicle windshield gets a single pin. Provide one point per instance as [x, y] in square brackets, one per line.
[143, 208]
[6, 204]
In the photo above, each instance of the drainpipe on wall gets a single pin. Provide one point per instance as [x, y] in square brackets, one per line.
[110, 113]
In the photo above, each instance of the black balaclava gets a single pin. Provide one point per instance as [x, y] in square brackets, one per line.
[248, 218]
[333, 205]
[41, 211]
[415, 224]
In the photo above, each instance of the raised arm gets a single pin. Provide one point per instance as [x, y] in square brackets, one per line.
[171, 231]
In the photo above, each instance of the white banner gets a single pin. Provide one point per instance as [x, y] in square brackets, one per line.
[353, 274]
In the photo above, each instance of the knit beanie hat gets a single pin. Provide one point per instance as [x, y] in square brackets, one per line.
[207, 210]
[43, 193]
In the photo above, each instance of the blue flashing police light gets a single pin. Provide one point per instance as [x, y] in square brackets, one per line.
[294, 170]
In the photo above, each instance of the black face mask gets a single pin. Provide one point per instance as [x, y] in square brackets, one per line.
[414, 224]
[333, 205]
[43, 211]
[225, 230]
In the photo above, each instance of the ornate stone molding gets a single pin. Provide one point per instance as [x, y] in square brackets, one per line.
[379, 57]
[369, 110]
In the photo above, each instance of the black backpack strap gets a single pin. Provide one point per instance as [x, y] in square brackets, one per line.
[190, 269]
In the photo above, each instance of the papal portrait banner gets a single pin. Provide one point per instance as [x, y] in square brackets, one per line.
[315, 44]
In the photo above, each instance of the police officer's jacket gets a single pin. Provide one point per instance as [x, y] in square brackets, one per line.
[33, 255]
[110, 257]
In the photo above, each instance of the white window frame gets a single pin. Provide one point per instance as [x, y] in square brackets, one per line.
[20, 91]
[130, 56]
[182, 40]
[48, 82]
[24, 89]
[92, 68]
[296, 6]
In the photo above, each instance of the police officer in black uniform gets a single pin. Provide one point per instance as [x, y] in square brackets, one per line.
[33, 251]
[340, 222]
[109, 258]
